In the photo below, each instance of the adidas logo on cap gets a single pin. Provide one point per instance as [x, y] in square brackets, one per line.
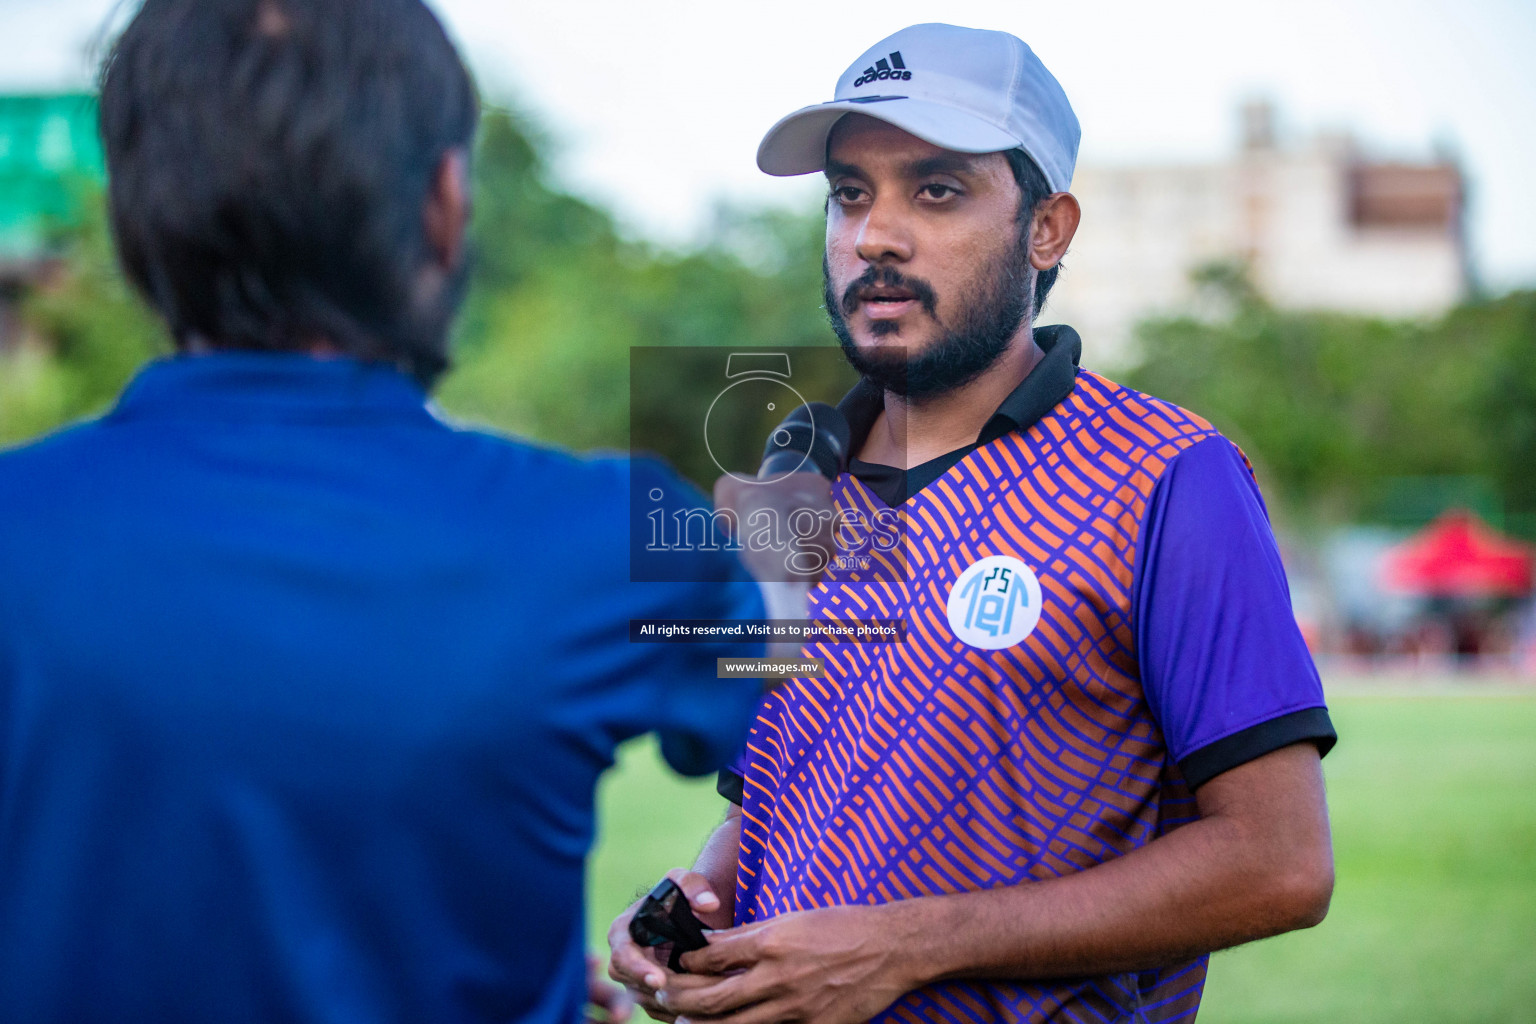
[883, 70]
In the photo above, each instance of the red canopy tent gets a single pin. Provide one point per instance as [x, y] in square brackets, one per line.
[1458, 555]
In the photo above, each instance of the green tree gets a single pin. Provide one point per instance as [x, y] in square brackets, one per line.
[545, 346]
[87, 333]
[1331, 407]
[1504, 401]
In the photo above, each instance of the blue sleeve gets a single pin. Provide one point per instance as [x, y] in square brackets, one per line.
[702, 720]
[731, 783]
[1223, 664]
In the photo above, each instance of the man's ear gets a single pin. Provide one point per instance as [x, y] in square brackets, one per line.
[446, 214]
[1055, 223]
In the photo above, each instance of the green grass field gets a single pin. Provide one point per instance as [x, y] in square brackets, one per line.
[1434, 911]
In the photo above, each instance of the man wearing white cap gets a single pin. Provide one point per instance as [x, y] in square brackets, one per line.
[1094, 758]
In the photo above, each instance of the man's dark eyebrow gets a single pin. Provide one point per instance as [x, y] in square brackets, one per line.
[837, 170]
[943, 163]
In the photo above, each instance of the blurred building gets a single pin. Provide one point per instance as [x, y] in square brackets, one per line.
[1320, 225]
[50, 156]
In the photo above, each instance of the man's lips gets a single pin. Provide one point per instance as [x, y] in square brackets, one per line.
[888, 310]
[886, 303]
[884, 293]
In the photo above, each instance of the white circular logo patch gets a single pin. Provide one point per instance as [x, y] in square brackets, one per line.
[995, 603]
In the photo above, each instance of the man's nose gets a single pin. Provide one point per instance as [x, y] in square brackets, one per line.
[884, 235]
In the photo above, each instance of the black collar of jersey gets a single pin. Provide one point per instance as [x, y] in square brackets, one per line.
[1045, 387]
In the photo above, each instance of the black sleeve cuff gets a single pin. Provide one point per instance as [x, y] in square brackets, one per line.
[1211, 760]
[731, 786]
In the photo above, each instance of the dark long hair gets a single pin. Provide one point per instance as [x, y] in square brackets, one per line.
[268, 162]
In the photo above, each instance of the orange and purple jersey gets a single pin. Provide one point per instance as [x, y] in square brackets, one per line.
[1097, 623]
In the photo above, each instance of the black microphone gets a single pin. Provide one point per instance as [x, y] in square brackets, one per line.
[812, 439]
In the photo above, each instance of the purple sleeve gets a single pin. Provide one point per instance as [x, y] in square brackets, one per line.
[1223, 664]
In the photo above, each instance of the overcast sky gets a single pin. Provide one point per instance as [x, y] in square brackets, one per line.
[657, 108]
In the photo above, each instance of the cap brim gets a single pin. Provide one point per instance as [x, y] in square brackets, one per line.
[798, 143]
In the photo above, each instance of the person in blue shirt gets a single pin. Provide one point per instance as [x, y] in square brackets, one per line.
[304, 691]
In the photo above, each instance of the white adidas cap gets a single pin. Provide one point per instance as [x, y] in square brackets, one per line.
[964, 89]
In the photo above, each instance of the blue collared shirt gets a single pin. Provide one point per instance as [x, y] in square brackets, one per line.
[303, 697]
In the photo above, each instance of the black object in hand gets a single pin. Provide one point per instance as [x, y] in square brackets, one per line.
[813, 438]
[664, 916]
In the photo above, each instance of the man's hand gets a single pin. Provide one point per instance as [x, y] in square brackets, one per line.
[605, 1004]
[786, 525]
[839, 965]
[643, 971]
[787, 530]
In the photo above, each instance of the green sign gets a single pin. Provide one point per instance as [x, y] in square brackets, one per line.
[49, 155]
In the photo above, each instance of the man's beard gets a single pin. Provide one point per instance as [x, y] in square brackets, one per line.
[988, 319]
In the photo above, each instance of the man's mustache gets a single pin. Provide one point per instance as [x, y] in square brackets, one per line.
[889, 277]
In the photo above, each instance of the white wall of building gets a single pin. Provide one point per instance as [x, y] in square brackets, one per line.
[1286, 213]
